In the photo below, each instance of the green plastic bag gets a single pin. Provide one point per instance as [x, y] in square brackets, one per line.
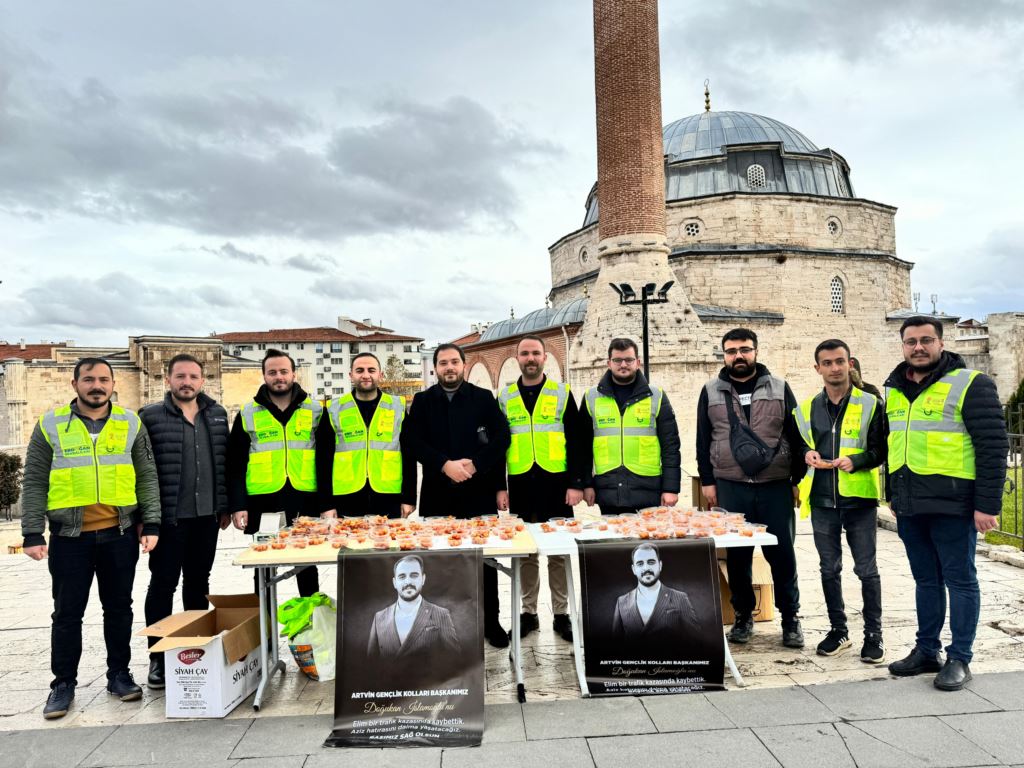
[296, 614]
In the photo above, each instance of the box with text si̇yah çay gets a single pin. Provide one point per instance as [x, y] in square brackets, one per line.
[211, 658]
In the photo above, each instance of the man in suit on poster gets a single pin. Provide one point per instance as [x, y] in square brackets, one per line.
[652, 616]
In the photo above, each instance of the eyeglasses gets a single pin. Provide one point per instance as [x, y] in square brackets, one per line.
[739, 351]
[927, 341]
[623, 360]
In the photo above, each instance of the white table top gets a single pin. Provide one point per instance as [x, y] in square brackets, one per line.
[562, 543]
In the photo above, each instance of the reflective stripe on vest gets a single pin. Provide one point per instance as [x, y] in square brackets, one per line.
[361, 454]
[539, 436]
[278, 453]
[84, 472]
[853, 439]
[929, 435]
[628, 439]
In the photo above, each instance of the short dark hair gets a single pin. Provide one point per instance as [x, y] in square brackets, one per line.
[184, 357]
[621, 344]
[922, 320]
[531, 337]
[401, 560]
[364, 354]
[91, 362]
[645, 545]
[739, 334]
[830, 344]
[445, 347]
[275, 353]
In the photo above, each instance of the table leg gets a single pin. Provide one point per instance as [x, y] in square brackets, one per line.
[577, 629]
[516, 644]
[274, 644]
[732, 664]
[266, 643]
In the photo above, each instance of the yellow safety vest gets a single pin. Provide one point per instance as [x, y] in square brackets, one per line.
[361, 454]
[929, 435]
[853, 440]
[539, 436]
[83, 471]
[628, 439]
[278, 453]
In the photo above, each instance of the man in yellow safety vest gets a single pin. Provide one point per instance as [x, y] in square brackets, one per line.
[271, 454]
[361, 467]
[947, 465]
[90, 473]
[843, 431]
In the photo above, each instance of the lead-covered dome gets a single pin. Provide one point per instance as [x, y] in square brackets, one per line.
[706, 134]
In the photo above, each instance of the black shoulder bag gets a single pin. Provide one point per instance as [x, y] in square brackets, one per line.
[750, 451]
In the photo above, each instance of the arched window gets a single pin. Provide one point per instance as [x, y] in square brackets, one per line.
[756, 178]
[837, 296]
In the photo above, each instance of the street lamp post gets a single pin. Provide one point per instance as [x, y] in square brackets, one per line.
[628, 297]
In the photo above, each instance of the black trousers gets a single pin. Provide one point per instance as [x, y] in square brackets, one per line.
[861, 526]
[769, 504]
[110, 556]
[186, 552]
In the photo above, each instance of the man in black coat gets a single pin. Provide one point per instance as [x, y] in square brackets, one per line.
[189, 434]
[459, 435]
[947, 466]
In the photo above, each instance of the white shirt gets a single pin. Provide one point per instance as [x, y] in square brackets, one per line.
[405, 616]
[646, 599]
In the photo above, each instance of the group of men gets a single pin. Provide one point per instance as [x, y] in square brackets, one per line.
[173, 475]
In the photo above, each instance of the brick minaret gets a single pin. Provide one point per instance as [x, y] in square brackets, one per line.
[631, 198]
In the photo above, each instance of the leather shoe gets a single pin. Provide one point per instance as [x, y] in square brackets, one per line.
[59, 701]
[953, 676]
[563, 626]
[155, 679]
[742, 629]
[916, 663]
[123, 685]
[496, 636]
[528, 622]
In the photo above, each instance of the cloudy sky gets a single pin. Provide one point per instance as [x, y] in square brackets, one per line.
[188, 167]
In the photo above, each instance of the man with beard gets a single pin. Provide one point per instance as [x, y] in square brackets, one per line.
[412, 638]
[543, 475]
[652, 619]
[189, 432]
[89, 471]
[628, 437]
[843, 431]
[947, 467]
[361, 467]
[763, 405]
[459, 435]
[271, 455]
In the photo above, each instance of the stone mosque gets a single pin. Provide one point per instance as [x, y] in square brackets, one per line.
[755, 225]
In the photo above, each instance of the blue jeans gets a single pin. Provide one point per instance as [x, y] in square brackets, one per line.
[940, 549]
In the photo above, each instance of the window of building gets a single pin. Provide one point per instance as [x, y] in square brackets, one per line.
[319, 377]
[337, 346]
[407, 348]
[837, 296]
[320, 346]
[261, 346]
[284, 345]
[692, 228]
[390, 347]
[756, 178]
[834, 225]
[584, 257]
[373, 347]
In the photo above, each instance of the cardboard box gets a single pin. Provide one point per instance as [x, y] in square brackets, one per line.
[211, 658]
[764, 591]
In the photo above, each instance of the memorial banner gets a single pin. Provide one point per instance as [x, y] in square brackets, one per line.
[652, 616]
[410, 668]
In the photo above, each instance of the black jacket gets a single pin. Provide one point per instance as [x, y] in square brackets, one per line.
[620, 487]
[470, 426]
[913, 494]
[825, 486]
[286, 500]
[165, 424]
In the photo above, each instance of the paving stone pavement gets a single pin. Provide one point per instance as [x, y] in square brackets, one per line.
[797, 708]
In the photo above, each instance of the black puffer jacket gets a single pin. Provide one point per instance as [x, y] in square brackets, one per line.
[913, 494]
[165, 424]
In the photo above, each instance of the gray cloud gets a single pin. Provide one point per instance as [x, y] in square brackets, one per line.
[318, 264]
[227, 164]
[232, 252]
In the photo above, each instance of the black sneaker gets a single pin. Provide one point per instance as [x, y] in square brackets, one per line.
[496, 635]
[953, 676]
[155, 679]
[123, 685]
[837, 641]
[59, 701]
[916, 663]
[742, 629]
[872, 652]
[792, 634]
[563, 626]
[528, 623]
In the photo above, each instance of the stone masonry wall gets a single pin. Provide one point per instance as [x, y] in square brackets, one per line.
[1006, 351]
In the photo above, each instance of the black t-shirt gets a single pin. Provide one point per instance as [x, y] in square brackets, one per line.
[367, 408]
[530, 394]
[744, 389]
[622, 393]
